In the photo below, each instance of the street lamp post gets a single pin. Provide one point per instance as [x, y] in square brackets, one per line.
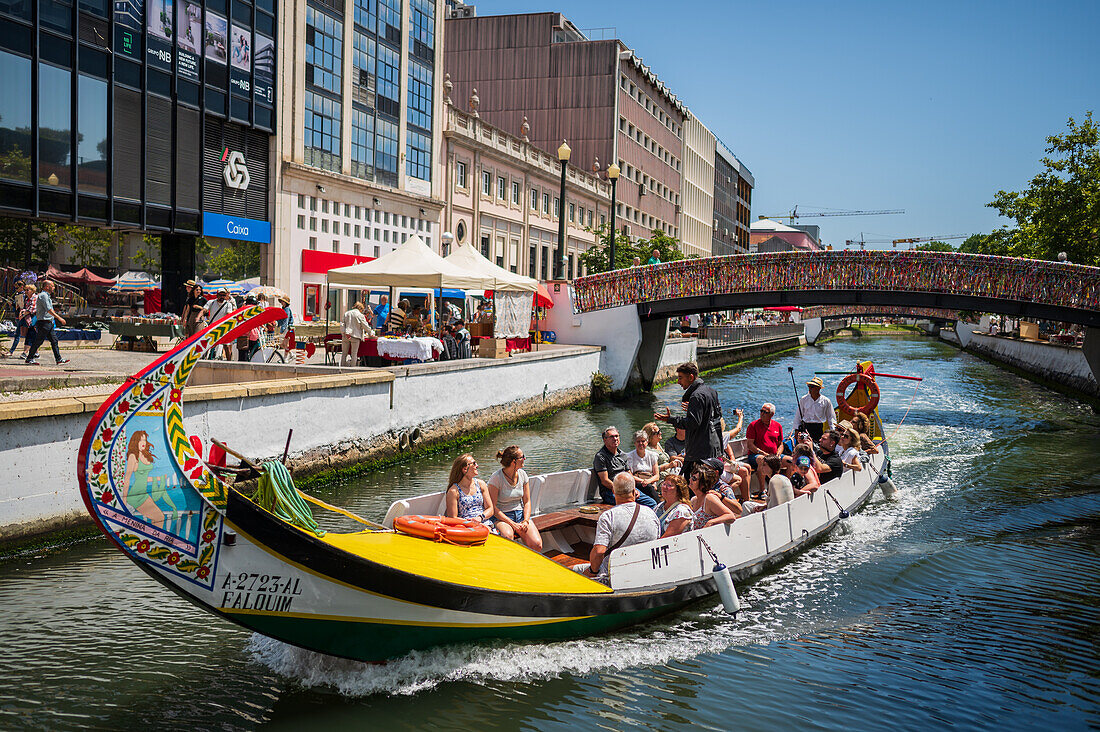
[613, 176]
[563, 156]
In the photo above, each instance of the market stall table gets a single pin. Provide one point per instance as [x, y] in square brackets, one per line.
[391, 349]
[146, 330]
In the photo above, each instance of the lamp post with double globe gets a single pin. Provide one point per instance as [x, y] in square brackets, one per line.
[613, 176]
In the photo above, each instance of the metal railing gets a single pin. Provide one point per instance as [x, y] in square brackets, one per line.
[731, 335]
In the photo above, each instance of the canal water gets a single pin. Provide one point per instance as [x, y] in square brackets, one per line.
[971, 601]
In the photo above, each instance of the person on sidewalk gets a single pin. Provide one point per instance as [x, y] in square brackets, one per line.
[24, 311]
[356, 329]
[218, 308]
[47, 317]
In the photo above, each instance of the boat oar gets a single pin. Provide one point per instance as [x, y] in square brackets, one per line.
[843, 514]
[797, 399]
[286, 450]
[244, 461]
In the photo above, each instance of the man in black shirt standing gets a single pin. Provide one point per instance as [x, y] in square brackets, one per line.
[702, 420]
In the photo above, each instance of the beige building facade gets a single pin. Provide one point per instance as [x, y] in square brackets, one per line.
[357, 153]
[503, 197]
[697, 189]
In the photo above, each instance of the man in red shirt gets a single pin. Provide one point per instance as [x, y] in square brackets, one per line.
[764, 435]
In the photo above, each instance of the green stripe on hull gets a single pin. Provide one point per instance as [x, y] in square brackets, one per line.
[365, 641]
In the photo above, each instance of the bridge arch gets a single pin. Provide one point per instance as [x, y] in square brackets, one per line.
[1024, 288]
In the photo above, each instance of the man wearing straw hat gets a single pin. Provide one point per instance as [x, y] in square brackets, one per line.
[815, 412]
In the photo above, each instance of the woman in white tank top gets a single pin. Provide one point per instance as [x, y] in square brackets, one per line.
[511, 494]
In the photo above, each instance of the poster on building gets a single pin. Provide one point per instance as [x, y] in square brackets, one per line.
[240, 59]
[215, 49]
[129, 19]
[265, 70]
[158, 23]
[188, 38]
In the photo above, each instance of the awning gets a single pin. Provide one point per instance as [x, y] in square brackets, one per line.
[80, 277]
[469, 258]
[135, 281]
[542, 297]
[413, 264]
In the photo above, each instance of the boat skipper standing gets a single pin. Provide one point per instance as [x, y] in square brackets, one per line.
[702, 421]
[815, 411]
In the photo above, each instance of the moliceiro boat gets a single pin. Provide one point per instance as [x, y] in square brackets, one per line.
[374, 594]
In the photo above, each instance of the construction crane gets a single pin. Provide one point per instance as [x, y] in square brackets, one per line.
[912, 240]
[794, 215]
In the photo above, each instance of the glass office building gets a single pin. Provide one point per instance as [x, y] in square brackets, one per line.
[144, 115]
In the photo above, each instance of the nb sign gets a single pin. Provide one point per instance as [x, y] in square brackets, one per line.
[235, 173]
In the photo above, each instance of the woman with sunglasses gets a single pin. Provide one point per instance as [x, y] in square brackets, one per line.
[510, 494]
[674, 511]
[708, 508]
[468, 496]
[664, 461]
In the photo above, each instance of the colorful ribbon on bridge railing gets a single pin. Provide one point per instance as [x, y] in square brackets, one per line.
[1029, 280]
[832, 311]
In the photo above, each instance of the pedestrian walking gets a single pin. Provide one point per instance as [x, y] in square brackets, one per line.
[47, 318]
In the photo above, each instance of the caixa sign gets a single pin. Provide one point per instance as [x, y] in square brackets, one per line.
[235, 227]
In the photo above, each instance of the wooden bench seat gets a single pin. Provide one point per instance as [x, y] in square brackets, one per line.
[579, 555]
[560, 519]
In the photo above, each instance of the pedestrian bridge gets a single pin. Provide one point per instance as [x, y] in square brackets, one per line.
[627, 310]
[826, 312]
[1024, 288]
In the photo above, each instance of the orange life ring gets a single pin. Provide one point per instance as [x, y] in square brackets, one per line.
[443, 529]
[868, 383]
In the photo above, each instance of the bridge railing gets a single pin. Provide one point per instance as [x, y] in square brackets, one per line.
[711, 336]
[1004, 278]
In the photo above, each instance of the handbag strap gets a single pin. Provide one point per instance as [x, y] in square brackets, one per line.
[629, 528]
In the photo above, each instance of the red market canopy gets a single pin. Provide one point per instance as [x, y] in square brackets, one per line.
[80, 277]
[542, 297]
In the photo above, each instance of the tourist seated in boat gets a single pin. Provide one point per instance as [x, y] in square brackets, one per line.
[642, 464]
[728, 437]
[862, 425]
[510, 493]
[779, 488]
[468, 495]
[764, 435]
[677, 444]
[626, 524]
[827, 460]
[729, 493]
[707, 506]
[665, 462]
[847, 441]
[608, 463]
[674, 510]
[738, 477]
[799, 468]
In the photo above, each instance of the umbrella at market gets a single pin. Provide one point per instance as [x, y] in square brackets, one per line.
[268, 291]
[135, 282]
[230, 286]
[542, 297]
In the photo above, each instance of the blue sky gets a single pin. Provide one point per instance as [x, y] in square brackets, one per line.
[927, 106]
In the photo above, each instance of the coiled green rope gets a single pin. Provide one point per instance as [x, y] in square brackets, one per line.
[276, 493]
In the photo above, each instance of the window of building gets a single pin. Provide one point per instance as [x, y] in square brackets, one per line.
[335, 245]
[355, 249]
[366, 14]
[385, 151]
[557, 207]
[313, 242]
[324, 205]
[486, 183]
[515, 192]
[376, 250]
[420, 95]
[546, 203]
[357, 235]
[418, 155]
[324, 226]
[362, 145]
[55, 115]
[590, 218]
[572, 213]
[301, 221]
[324, 50]
[91, 145]
[603, 220]
[534, 199]
[460, 175]
[502, 188]
[347, 229]
[389, 14]
[313, 223]
[422, 28]
[389, 80]
[322, 131]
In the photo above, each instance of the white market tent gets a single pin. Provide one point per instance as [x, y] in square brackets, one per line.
[413, 264]
[514, 293]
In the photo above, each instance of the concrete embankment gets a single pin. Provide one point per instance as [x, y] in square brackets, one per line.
[716, 357]
[339, 420]
[1064, 368]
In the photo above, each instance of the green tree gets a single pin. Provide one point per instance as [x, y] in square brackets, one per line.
[90, 247]
[597, 257]
[238, 261]
[935, 246]
[1060, 209]
[1002, 242]
[147, 258]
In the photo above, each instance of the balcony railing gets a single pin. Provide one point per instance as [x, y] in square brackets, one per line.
[731, 335]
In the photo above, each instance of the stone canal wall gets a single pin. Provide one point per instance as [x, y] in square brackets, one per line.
[1059, 365]
[338, 420]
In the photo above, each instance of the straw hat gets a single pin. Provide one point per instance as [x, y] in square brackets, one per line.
[816, 381]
